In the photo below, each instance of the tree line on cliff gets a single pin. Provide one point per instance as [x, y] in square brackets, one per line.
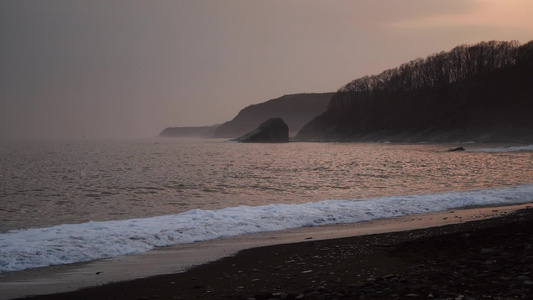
[482, 87]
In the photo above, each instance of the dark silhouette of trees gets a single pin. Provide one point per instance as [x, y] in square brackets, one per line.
[440, 69]
[486, 86]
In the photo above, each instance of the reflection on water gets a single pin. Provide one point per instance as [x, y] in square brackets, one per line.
[55, 182]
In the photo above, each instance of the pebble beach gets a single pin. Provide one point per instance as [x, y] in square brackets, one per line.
[484, 259]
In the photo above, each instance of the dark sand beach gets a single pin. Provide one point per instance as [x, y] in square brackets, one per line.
[485, 259]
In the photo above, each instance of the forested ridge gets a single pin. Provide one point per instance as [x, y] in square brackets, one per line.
[482, 91]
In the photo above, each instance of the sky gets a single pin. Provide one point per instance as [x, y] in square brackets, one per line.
[129, 68]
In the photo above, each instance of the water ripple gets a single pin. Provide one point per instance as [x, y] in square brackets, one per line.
[54, 182]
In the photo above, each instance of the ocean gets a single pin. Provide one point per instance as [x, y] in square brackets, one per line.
[68, 201]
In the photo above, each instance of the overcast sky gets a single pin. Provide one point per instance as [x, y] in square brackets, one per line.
[127, 68]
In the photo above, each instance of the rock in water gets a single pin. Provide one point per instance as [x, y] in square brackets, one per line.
[456, 149]
[273, 130]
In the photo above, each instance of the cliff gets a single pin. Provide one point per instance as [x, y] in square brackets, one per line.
[296, 110]
[201, 131]
[481, 93]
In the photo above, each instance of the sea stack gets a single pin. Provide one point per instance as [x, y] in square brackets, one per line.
[273, 130]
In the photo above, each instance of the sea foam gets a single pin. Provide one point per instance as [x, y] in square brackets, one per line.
[528, 148]
[71, 243]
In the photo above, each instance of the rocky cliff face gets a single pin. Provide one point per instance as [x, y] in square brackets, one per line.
[296, 110]
[273, 130]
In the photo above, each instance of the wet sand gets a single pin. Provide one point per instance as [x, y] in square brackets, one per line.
[350, 261]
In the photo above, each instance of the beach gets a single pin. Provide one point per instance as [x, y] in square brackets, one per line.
[466, 254]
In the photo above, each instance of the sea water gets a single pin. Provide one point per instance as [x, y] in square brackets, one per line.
[67, 201]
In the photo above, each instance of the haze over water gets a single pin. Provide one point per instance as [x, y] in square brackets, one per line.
[55, 182]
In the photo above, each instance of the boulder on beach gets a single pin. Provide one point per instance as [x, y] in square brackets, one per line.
[273, 130]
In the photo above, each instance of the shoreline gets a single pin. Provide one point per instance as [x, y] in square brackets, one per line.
[162, 261]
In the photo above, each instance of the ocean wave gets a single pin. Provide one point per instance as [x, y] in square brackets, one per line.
[71, 243]
[528, 148]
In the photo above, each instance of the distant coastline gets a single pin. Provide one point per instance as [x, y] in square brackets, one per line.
[479, 93]
[295, 109]
[199, 131]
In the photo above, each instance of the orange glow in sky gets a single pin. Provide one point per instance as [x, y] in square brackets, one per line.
[133, 67]
[512, 15]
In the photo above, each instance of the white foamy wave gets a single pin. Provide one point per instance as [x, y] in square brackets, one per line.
[506, 149]
[64, 244]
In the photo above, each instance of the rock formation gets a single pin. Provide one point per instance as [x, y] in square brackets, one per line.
[456, 149]
[274, 130]
[296, 110]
